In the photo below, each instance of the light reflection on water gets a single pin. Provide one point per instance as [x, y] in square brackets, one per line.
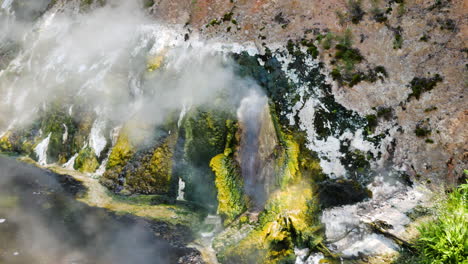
[41, 222]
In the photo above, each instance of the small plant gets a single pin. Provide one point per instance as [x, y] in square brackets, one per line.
[213, 22]
[421, 131]
[227, 17]
[385, 112]
[420, 84]
[430, 109]
[336, 75]
[148, 3]
[378, 15]
[355, 11]
[424, 38]
[447, 24]
[341, 17]
[445, 240]
[429, 141]
[372, 122]
[398, 42]
[348, 55]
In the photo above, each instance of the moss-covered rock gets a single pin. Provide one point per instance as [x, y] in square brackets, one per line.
[205, 133]
[154, 175]
[86, 161]
[155, 62]
[55, 121]
[121, 153]
[231, 200]
[5, 142]
[289, 219]
[142, 159]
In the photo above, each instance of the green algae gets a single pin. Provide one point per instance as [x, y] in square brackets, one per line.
[231, 200]
[121, 152]
[56, 122]
[288, 220]
[5, 142]
[86, 161]
[205, 132]
[155, 173]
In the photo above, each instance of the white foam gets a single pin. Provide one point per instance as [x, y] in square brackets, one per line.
[69, 165]
[180, 192]
[6, 4]
[41, 150]
[97, 141]
[65, 133]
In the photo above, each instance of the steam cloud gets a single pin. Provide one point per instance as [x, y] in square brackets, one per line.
[99, 58]
[42, 223]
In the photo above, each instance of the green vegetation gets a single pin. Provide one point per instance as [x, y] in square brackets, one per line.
[311, 48]
[5, 142]
[445, 240]
[424, 38]
[345, 60]
[86, 4]
[420, 85]
[422, 131]
[355, 11]
[346, 54]
[148, 3]
[398, 42]
[228, 180]
[372, 122]
[228, 17]
[326, 40]
[430, 109]
[289, 219]
[154, 173]
[378, 14]
[447, 24]
[205, 134]
[121, 153]
[86, 161]
[385, 112]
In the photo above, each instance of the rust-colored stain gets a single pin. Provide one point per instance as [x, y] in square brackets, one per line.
[200, 11]
[258, 5]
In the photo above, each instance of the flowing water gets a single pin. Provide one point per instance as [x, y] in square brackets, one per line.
[41, 222]
[125, 67]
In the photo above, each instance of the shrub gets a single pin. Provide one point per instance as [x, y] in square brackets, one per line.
[420, 84]
[445, 239]
[355, 11]
[421, 131]
[398, 42]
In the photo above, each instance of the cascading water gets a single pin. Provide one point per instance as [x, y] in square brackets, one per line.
[41, 151]
[97, 141]
[114, 68]
[250, 114]
[180, 191]
[70, 163]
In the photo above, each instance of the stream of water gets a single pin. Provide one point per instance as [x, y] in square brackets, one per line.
[41, 222]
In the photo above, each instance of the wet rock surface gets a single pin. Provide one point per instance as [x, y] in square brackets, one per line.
[408, 40]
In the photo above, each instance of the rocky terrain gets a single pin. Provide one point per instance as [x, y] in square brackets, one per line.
[304, 131]
[412, 40]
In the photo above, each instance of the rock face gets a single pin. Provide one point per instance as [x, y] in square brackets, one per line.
[410, 40]
[343, 94]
